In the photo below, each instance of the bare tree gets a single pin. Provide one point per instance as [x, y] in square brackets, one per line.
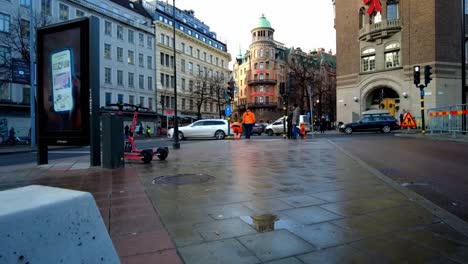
[208, 89]
[303, 69]
[17, 40]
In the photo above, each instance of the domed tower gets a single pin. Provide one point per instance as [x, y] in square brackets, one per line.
[263, 79]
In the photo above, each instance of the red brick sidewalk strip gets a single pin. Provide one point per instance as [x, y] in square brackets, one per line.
[133, 224]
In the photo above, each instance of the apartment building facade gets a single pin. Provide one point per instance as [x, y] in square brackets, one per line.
[200, 58]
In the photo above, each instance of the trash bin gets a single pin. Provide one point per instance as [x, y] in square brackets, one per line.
[112, 141]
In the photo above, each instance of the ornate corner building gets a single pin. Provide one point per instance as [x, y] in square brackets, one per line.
[258, 74]
[378, 44]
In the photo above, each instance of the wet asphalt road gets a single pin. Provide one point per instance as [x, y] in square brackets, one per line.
[437, 170]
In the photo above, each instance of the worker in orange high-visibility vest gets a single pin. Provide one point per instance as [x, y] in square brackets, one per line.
[302, 130]
[237, 129]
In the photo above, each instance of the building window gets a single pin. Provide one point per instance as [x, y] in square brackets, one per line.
[141, 81]
[162, 79]
[211, 59]
[211, 107]
[256, 54]
[161, 58]
[25, 28]
[107, 75]
[183, 103]
[5, 55]
[392, 9]
[205, 106]
[120, 54]
[161, 39]
[182, 47]
[183, 84]
[79, 13]
[362, 17]
[119, 77]
[63, 12]
[392, 55]
[141, 60]
[217, 61]
[108, 28]
[167, 41]
[141, 38]
[191, 85]
[150, 103]
[149, 42]
[131, 79]
[130, 36]
[142, 101]
[150, 83]
[198, 53]
[25, 3]
[261, 53]
[190, 67]
[222, 63]
[368, 60]
[46, 7]
[107, 51]
[191, 104]
[108, 98]
[131, 99]
[167, 60]
[130, 57]
[120, 98]
[182, 65]
[261, 65]
[204, 56]
[191, 51]
[149, 62]
[119, 32]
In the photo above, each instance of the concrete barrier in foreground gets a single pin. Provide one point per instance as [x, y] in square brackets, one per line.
[41, 224]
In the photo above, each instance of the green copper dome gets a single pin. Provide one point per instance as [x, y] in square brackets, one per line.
[263, 22]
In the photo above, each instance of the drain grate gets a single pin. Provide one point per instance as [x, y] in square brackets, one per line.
[182, 179]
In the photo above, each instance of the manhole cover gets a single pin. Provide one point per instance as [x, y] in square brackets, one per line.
[181, 179]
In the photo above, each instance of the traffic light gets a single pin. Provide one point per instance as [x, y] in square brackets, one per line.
[417, 75]
[427, 74]
[230, 91]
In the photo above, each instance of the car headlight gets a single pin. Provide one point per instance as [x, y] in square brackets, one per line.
[342, 126]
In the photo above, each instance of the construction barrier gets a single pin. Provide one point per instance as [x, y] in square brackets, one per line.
[448, 119]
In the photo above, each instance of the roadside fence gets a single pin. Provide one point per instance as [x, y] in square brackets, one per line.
[447, 119]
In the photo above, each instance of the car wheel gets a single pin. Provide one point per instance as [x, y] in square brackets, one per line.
[269, 132]
[162, 153]
[386, 129]
[219, 134]
[181, 135]
[348, 130]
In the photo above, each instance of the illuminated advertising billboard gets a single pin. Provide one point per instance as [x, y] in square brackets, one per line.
[63, 93]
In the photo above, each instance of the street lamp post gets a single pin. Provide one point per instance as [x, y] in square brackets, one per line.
[176, 144]
[32, 94]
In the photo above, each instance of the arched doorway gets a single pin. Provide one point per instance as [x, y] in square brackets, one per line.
[383, 98]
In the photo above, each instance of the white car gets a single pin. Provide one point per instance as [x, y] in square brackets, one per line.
[206, 128]
[277, 127]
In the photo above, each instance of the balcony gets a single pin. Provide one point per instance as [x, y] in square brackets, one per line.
[263, 81]
[258, 105]
[384, 29]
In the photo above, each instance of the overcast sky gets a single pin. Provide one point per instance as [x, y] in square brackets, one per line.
[307, 24]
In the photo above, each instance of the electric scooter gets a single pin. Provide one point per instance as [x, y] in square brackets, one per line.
[130, 149]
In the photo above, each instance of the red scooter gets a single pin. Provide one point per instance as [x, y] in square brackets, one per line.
[130, 150]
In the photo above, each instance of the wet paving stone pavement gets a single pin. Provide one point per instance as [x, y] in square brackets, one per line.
[330, 208]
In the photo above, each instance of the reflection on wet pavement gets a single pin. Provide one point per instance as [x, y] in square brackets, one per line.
[328, 208]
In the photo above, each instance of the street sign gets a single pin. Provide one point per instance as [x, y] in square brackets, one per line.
[21, 71]
[228, 110]
[408, 121]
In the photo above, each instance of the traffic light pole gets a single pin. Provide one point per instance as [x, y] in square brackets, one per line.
[423, 125]
[284, 119]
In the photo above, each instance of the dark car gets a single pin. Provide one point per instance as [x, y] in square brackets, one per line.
[258, 129]
[381, 123]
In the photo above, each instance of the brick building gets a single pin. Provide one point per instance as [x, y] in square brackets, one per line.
[379, 43]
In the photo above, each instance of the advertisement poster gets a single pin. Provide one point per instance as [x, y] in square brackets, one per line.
[63, 93]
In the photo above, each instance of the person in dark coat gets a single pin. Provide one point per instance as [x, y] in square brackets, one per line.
[323, 124]
[127, 131]
[289, 124]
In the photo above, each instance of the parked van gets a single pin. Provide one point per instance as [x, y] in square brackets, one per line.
[277, 128]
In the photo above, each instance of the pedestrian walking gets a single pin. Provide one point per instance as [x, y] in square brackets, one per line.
[148, 132]
[289, 124]
[127, 131]
[248, 119]
[237, 129]
[140, 129]
[12, 136]
[295, 121]
[323, 125]
[401, 118]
